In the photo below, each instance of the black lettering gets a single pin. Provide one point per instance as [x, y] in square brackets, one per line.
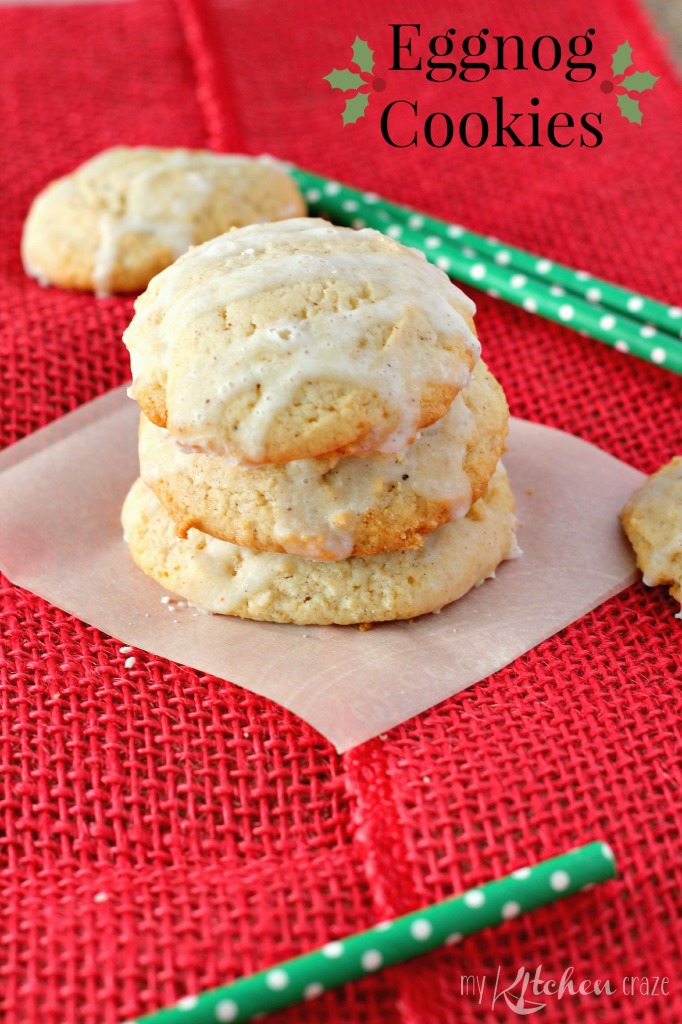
[440, 65]
[554, 123]
[556, 46]
[466, 64]
[398, 46]
[505, 129]
[597, 135]
[535, 121]
[464, 135]
[501, 43]
[574, 65]
[384, 125]
[428, 130]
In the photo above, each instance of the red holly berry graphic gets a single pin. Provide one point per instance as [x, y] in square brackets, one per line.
[350, 81]
[636, 81]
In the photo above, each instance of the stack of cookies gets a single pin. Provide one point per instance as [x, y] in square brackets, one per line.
[319, 440]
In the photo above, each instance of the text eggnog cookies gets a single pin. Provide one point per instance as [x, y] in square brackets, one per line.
[319, 441]
[298, 339]
[123, 216]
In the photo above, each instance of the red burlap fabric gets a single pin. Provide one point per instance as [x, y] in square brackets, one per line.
[162, 831]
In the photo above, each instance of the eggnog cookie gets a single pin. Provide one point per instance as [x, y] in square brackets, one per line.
[298, 339]
[126, 214]
[334, 508]
[225, 579]
[652, 519]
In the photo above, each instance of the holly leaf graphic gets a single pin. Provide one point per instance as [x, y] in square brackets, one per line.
[629, 108]
[362, 55]
[355, 108]
[622, 58]
[344, 80]
[638, 81]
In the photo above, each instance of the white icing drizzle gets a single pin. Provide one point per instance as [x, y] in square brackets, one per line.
[317, 502]
[660, 566]
[236, 575]
[515, 551]
[278, 360]
[287, 211]
[661, 562]
[227, 576]
[138, 211]
[173, 235]
[124, 187]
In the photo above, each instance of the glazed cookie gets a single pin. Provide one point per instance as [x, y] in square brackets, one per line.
[652, 519]
[298, 339]
[331, 509]
[123, 216]
[225, 579]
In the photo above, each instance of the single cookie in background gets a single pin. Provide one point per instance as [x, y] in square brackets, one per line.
[652, 519]
[299, 339]
[225, 579]
[123, 216]
[335, 508]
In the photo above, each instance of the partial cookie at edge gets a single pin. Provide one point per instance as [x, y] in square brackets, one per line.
[652, 520]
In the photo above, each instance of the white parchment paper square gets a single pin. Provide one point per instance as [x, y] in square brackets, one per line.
[61, 491]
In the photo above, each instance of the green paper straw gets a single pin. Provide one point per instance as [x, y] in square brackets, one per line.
[625, 320]
[308, 976]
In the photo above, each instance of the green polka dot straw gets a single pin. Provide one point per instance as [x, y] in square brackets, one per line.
[622, 319]
[444, 924]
